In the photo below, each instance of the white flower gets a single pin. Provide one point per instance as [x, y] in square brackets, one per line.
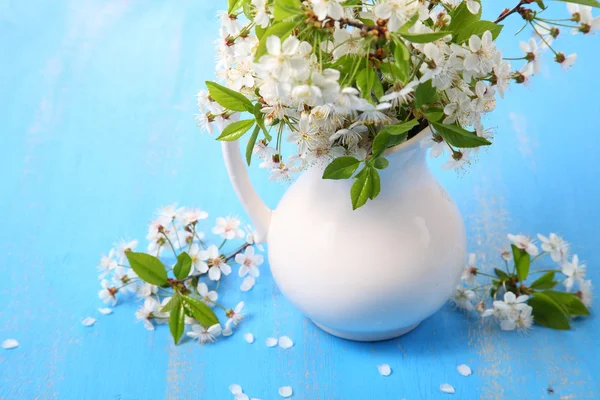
[235, 315]
[586, 293]
[124, 279]
[470, 270]
[228, 228]
[483, 51]
[566, 61]
[262, 17]
[123, 246]
[532, 54]
[249, 263]
[145, 289]
[149, 311]
[215, 262]
[503, 72]
[198, 259]
[473, 6]
[328, 8]
[282, 62]
[373, 114]
[398, 12]
[463, 298]
[208, 297]
[574, 272]
[108, 293]
[583, 15]
[107, 264]
[203, 335]
[346, 42]
[401, 96]
[439, 70]
[513, 313]
[193, 215]
[170, 212]
[229, 24]
[524, 243]
[458, 160]
[436, 143]
[554, 245]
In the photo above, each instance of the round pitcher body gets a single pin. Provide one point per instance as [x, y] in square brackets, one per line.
[376, 272]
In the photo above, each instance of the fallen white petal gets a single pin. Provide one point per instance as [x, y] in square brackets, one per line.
[10, 344]
[227, 331]
[247, 284]
[235, 388]
[285, 342]
[105, 311]
[249, 337]
[271, 342]
[241, 396]
[464, 370]
[285, 391]
[384, 369]
[89, 321]
[444, 387]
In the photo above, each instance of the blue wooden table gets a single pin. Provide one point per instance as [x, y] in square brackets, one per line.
[97, 131]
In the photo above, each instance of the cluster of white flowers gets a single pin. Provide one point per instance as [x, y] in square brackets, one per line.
[302, 88]
[513, 312]
[174, 231]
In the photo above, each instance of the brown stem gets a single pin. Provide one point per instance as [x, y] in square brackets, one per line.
[508, 12]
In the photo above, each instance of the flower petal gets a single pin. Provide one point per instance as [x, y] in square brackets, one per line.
[446, 388]
[285, 342]
[271, 342]
[105, 311]
[10, 344]
[464, 370]
[89, 321]
[247, 284]
[285, 391]
[248, 337]
[235, 388]
[384, 369]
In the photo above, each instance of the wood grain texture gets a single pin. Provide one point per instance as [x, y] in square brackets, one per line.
[97, 131]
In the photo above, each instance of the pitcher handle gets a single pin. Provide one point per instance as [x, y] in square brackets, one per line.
[257, 210]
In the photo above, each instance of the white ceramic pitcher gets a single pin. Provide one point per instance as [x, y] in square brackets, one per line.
[370, 274]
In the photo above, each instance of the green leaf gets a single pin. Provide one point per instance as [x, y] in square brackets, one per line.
[169, 306]
[424, 94]
[425, 37]
[201, 312]
[381, 143]
[402, 127]
[361, 189]
[286, 8]
[459, 137]
[341, 168]
[547, 313]
[478, 28]
[183, 266]
[591, 3]
[500, 274]
[251, 143]
[177, 319]
[434, 114]
[281, 29]
[461, 17]
[394, 72]
[236, 130]
[376, 183]
[516, 252]
[233, 5]
[401, 52]
[229, 99]
[260, 120]
[381, 163]
[545, 281]
[409, 24]
[570, 302]
[365, 81]
[522, 266]
[378, 88]
[147, 267]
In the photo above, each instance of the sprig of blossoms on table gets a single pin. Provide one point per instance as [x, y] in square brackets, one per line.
[178, 277]
[518, 296]
[344, 80]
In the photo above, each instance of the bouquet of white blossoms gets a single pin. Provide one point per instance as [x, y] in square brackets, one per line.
[343, 80]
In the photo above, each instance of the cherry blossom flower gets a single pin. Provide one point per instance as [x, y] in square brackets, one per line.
[532, 54]
[574, 272]
[470, 270]
[108, 293]
[236, 315]
[249, 263]
[215, 262]
[328, 8]
[228, 228]
[524, 243]
[463, 298]
[208, 297]
[554, 245]
[107, 264]
[149, 311]
[205, 335]
[198, 259]
[586, 293]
